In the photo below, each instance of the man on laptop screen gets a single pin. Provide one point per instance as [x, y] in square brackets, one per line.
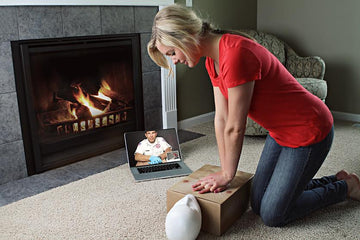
[152, 150]
[156, 156]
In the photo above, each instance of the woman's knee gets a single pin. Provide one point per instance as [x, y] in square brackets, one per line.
[271, 217]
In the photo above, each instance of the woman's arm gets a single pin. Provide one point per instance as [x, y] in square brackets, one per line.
[221, 115]
[238, 107]
[230, 123]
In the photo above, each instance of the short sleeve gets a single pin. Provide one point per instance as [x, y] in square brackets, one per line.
[165, 145]
[139, 148]
[238, 66]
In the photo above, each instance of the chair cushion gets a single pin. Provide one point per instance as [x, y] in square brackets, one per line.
[317, 87]
[254, 129]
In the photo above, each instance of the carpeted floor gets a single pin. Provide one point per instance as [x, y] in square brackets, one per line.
[110, 205]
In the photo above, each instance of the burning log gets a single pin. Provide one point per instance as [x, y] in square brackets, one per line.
[55, 116]
[66, 95]
[83, 112]
[99, 103]
[114, 96]
[61, 113]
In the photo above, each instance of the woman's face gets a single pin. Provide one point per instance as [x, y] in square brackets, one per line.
[176, 55]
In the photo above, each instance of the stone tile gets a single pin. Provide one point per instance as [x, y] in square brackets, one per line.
[153, 118]
[3, 202]
[8, 24]
[7, 81]
[16, 190]
[54, 178]
[147, 63]
[40, 22]
[117, 20]
[35, 184]
[12, 162]
[9, 118]
[118, 157]
[144, 17]
[90, 166]
[30, 186]
[80, 21]
[152, 90]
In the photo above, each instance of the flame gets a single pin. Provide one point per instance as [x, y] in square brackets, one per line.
[102, 96]
[84, 99]
[105, 86]
[73, 112]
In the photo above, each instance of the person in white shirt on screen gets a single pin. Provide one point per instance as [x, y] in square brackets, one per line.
[151, 150]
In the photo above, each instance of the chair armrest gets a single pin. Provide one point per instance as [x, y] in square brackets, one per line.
[318, 87]
[300, 67]
[305, 67]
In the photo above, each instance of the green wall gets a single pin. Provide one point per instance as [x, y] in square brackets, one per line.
[194, 90]
[327, 28]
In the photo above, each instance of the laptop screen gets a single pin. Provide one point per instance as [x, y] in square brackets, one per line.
[161, 146]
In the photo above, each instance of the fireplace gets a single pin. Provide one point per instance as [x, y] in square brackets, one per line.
[77, 96]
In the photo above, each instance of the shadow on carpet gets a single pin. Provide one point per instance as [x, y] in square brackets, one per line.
[185, 136]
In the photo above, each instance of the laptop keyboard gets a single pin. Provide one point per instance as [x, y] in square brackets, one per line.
[157, 168]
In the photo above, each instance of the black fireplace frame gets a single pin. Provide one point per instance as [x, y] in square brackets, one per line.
[36, 160]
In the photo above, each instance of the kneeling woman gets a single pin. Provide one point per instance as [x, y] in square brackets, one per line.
[249, 81]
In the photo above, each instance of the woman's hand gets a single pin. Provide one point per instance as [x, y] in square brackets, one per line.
[215, 182]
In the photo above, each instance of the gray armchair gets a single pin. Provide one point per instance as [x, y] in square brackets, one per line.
[308, 71]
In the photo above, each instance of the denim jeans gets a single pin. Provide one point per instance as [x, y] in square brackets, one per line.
[283, 189]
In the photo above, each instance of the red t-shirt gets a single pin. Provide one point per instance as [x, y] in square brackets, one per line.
[293, 116]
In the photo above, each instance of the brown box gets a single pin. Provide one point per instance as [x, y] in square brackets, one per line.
[219, 210]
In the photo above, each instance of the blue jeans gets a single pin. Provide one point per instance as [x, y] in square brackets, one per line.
[283, 189]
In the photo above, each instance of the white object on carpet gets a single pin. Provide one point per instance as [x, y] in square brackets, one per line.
[183, 221]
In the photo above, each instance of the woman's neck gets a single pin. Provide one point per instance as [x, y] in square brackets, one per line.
[211, 46]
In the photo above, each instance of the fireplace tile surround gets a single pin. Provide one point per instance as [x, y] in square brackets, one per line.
[18, 23]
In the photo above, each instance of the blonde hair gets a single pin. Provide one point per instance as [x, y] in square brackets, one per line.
[178, 26]
[175, 26]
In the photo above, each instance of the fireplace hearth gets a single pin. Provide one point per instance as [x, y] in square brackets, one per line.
[77, 96]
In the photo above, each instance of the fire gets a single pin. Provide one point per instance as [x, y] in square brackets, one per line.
[73, 112]
[105, 86]
[86, 99]
[77, 110]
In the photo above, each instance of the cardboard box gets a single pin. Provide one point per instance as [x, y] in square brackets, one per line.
[219, 210]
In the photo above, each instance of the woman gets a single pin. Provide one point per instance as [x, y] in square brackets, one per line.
[249, 81]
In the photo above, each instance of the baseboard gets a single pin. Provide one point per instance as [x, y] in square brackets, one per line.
[346, 116]
[190, 122]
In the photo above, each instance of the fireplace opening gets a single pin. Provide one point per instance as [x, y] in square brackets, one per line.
[77, 96]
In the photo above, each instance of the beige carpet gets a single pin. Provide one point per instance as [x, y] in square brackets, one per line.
[110, 205]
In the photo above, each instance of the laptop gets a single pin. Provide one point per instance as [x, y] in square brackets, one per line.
[166, 140]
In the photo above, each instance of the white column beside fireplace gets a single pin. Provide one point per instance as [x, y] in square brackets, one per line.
[168, 90]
